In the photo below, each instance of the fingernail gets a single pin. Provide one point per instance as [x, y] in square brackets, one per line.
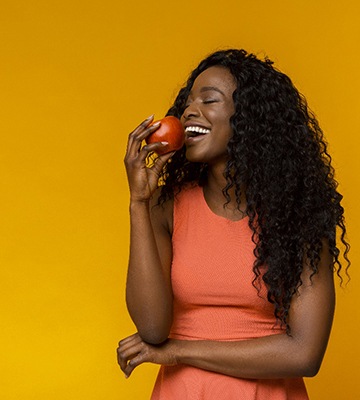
[156, 123]
[164, 143]
[126, 376]
[151, 116]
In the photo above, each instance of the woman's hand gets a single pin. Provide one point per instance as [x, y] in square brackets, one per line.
[133, 351]
[143, 180]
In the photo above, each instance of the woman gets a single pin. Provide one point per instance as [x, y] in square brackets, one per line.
[230, 279]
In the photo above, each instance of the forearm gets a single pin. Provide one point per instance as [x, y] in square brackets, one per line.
[277, 356]
[148, 290]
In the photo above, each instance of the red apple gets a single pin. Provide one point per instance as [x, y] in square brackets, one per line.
[171, 131]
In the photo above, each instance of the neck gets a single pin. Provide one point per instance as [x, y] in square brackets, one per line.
[213, 192]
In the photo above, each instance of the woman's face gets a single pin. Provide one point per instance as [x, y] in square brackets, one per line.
[207, 116]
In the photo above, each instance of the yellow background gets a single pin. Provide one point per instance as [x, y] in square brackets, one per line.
[75, 78]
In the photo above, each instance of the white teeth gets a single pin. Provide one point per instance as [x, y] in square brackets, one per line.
[197, 129]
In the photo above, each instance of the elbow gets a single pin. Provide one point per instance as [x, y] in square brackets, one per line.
[307, 357]
[309, 366]
[311, 369]
[153, 336]
[153, 328]
[154, 331]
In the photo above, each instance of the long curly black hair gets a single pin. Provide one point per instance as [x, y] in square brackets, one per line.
[278, 156]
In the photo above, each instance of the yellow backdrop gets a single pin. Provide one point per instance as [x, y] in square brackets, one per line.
[76, 76]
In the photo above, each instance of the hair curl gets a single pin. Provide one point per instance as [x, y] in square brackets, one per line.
[278, 156]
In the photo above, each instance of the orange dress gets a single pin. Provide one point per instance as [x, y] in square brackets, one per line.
[214, 299]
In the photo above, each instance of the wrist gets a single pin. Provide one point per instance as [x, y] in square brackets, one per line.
[179, 350]
[174, 348]
[139, 203]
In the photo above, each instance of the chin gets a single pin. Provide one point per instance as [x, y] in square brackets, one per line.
[193, 156]
[204, 156]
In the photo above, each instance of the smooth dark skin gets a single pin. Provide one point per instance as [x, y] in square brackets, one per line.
[149, 293]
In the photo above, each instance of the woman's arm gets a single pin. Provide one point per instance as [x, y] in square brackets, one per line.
[148, 288]
[276, 356]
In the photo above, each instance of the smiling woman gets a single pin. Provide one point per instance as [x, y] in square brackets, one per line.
[230, 279]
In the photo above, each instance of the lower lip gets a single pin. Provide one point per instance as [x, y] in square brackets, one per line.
[194, 139]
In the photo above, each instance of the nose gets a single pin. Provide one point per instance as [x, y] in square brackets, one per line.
[191, 111]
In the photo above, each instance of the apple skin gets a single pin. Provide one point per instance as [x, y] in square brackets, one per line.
[171, 131]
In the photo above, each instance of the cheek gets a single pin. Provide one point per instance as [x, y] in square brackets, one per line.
[223, 115]
[225, 122]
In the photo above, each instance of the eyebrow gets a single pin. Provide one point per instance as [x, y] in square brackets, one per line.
[208, 88]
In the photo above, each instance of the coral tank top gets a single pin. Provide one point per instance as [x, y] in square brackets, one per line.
[214, 299]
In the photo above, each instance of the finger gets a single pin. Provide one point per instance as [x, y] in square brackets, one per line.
[135, 362]
[123, 359]
[128, 338]
[138, 135]
[155, 146]
[141, 135]
[138, 130]
[128, 350]
[152, 128]
[144, 124]
[160, 162]
[126, 345]
[126, 356]
[146, 150]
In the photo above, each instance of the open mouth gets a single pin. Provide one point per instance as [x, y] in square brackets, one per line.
[193, 131]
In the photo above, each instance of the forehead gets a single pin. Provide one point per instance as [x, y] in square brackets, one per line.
[217, 77]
